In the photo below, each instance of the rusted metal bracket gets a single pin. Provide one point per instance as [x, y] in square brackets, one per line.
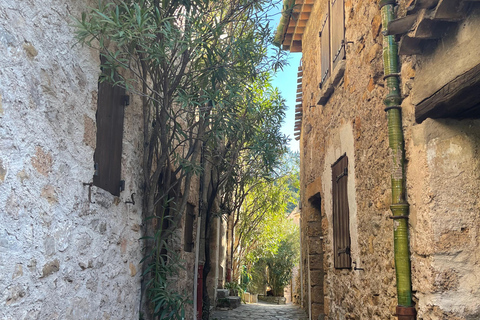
[89, 184]
[343, 174]
[355, 267]
[345, 250]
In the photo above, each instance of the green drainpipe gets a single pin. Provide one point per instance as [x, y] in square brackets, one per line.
[399, 207]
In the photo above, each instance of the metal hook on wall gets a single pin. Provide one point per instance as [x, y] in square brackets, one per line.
[89, 184]
[131, 201]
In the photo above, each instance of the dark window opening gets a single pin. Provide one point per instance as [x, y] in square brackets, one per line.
[188, 231]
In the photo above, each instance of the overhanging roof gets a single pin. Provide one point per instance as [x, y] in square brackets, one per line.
[292, 24]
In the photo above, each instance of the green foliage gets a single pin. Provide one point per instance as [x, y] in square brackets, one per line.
[202, 72]
[263, 215]
[275, 268]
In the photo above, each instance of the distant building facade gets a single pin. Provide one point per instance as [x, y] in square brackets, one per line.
[348, 260]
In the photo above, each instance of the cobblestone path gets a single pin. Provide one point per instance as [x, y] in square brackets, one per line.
[261, 311]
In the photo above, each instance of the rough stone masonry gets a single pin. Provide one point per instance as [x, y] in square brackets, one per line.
[64, 254]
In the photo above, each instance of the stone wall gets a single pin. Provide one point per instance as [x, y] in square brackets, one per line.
[63, 254]
[442, 186]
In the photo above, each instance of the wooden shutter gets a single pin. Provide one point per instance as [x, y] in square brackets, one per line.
[108, 152]
[341, 219]
[338, 31]
[325, 49]
[188, 230]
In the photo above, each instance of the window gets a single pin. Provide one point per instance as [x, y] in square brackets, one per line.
[338, 31]
[332, 39]
[188, 231]
[325, 49]
[341, 218]
[108, 152]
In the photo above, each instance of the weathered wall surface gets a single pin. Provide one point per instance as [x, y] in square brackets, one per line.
[442, 184]
[61, 256]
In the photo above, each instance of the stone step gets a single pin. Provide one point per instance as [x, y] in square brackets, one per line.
[231, 302]
[222, 293]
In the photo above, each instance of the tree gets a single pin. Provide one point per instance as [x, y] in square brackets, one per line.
[198, 66]
[258, 222]
[275, 268]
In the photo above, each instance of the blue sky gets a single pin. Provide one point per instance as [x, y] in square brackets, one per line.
[286, 81]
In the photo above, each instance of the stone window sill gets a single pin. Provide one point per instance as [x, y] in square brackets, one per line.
[329, 87]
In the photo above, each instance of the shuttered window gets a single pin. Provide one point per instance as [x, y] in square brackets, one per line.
[108, 152]
[325, 49]
[338, 31]
[188, 230]
[341, 219]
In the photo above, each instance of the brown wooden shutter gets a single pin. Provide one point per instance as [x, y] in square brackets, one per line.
[338, 31]
[108, 152]
[325, 49]
[188, 230]
[341, 218]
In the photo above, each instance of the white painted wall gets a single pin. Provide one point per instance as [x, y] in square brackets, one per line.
[61, 257]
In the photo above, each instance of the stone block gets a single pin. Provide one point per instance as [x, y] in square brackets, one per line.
[50, 268]
[317, 294]
[3, 171]
[314, 228]
[316, 277]
[315, 245]
[222, 293]
[234, 302]
[42, 161]
[317, 310]
[314, 188]
[316, 261]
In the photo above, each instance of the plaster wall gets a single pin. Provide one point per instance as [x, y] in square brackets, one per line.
[458, 50]
[61, 255]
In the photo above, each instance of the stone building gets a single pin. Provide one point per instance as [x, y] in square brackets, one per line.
[69, 249]
[348, 162]
[70, 179]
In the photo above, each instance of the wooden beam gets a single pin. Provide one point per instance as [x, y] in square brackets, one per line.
[401, 25]
[460, 98]
[304, 15]
[449, 10]
[303, 23]
[422, 4]
[431, 29]
[307, 8]
[409, 45]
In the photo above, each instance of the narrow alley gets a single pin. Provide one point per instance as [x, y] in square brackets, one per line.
[262, 311]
